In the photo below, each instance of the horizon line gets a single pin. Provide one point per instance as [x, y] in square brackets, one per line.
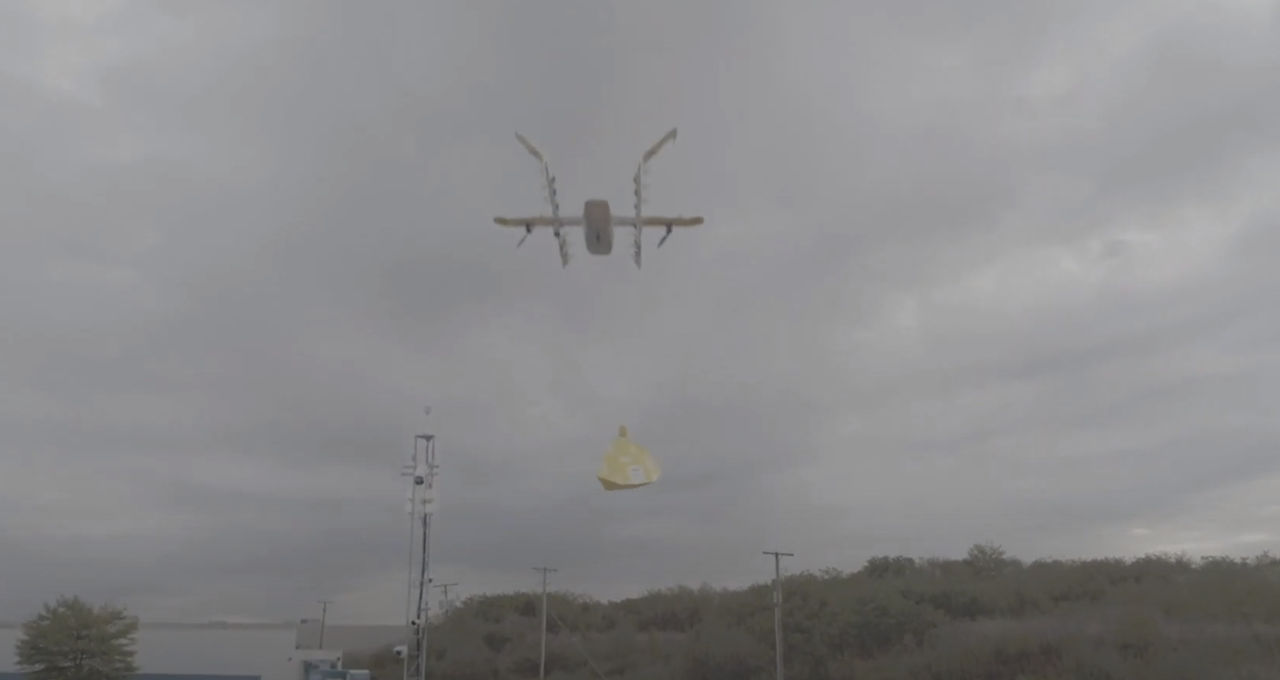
[224, 625]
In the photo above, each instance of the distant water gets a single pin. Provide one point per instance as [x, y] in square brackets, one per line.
[254, 652]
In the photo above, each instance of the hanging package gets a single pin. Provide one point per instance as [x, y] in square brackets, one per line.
[627, 465]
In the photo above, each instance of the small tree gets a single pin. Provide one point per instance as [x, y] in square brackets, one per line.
[987, 560]
[73, 640]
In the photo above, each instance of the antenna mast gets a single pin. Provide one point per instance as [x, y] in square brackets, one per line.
[324, 615]
[422, 471]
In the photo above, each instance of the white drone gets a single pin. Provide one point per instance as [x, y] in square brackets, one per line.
[596, 219]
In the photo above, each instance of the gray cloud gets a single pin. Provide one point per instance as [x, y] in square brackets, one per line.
[992, 273]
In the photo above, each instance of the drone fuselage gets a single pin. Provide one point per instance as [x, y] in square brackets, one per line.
[597, 226]
[597, 220]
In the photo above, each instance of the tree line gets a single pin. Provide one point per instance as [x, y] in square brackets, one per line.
[986, 616]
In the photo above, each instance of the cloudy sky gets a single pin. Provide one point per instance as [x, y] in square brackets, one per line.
[994, 270]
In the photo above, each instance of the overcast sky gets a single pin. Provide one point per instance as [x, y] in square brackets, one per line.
[996, 270]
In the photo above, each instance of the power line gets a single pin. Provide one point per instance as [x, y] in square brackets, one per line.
[777, 604]
[542, 664]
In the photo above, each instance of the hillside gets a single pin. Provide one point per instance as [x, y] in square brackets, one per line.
[987, 616]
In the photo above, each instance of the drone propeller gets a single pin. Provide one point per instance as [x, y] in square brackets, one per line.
[528, 229]
[665, 236]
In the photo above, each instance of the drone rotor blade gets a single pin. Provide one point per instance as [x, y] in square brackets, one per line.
[549, 186]
[653, 150]
[639, 193]
[564, 248]
[533, 151]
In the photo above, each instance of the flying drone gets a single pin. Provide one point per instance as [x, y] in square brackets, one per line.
[597, 220]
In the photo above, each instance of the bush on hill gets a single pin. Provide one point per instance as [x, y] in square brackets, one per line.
[988, 616]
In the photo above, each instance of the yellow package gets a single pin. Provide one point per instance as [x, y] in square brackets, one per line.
[627, 465]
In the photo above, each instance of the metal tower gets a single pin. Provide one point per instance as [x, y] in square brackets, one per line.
[421, 469]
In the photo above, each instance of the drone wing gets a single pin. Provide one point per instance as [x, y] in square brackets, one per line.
[657, 221]
[539, 221]
[533, 221]
[549, 185]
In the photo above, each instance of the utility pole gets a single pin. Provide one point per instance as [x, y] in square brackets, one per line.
[542, 664]
[324, 614]
[448, 604]
[777, 604]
